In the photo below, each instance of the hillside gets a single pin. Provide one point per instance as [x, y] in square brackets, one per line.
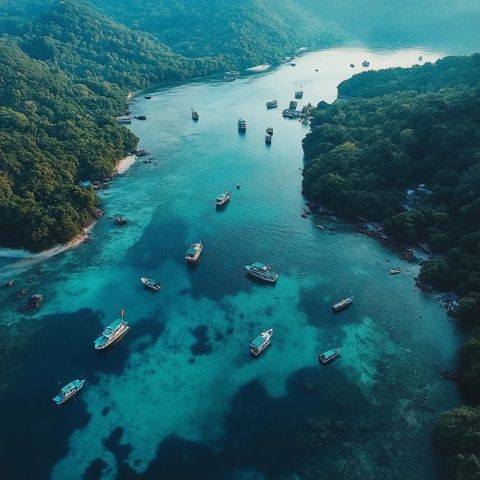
[364, 153]
[246, 32]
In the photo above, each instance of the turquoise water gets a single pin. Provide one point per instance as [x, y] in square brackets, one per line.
[180, 397]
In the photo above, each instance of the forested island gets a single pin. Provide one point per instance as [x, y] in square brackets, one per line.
[389, 132]
[66, 72]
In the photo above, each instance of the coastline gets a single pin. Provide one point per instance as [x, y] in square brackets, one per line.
[124, 164]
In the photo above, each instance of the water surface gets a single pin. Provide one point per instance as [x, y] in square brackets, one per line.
[180, 396]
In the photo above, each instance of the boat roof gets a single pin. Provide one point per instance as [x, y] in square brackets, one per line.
[259, 265]
[330, 352]
[191, 251]
[115, 324]
[257, 342]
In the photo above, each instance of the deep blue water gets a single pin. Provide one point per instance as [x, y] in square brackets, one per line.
[180, 397]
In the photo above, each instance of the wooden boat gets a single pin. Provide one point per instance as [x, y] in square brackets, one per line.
[150, 284]
[329, 355]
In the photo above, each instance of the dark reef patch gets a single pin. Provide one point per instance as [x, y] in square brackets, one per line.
[94, 470]
[202, 346]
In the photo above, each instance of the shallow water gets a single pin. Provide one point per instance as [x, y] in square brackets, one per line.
[180, 397]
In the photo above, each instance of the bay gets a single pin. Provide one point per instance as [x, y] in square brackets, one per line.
[180, 397]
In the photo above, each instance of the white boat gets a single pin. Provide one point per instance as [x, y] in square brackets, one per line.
[150, 284]
[395, 271]
[193, 253]
[262, 271]
[261, 342]
[222, 199]
[68, 391]
[113, 333]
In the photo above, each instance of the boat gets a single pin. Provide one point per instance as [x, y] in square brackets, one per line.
[233, 73]
[365, 63]
[293, 64]
[193, 253]
[272, 104]
[299, 94]
[195, 115]
[238, 186]
[261, 342]
[292, 105]
[141, 117]
[34, 301]
[68, 391]
[329, 355]
[150, 284]
[269, 131]
[268, 139]
[242, 125]
[342, 304]
[352, 65]
[222, 199]
[321, 227]
[229, 78]
[395, 271]
[124, 120]
[22, 292]
[113, 333]
[148, 97]
[9, 284]
[121, 221]
[262, 271]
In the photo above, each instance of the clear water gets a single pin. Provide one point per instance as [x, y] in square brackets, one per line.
[180, 397]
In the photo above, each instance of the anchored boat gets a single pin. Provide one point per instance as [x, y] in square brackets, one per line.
[269, 131]
[299, 94]
[193, 253]
[68, 391]
[195, 115]
[150, 284]
[272, 104]
[242, 125]
[262, 271]
[329, 355]
[395, 271]
[113, 333]
[261, 342]
[222, 199]
[268, 139]
[342, 304]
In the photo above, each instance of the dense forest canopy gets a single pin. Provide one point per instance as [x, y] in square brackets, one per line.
[247, 32]
[392, 131]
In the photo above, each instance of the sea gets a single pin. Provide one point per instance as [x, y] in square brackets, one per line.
[180, 397]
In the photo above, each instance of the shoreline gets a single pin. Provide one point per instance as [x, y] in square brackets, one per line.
[124, 164]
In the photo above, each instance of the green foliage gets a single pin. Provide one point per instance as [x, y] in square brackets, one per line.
[457, 436]
[244, 33]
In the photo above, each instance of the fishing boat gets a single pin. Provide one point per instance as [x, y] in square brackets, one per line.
[262, 271]
[261, 342]
[365, 63]
[269, 131]
[395, 271]
[113, 333]
[242, 125]
[195, 115]
[329, 355]
[299, 94]
[222, 199]
[193, 253]
[268, 139]
[292, 105]
[342, 304]
[272, 104]
[68, 391]
[150, 284]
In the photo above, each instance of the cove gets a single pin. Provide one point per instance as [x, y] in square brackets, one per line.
[180, 396]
